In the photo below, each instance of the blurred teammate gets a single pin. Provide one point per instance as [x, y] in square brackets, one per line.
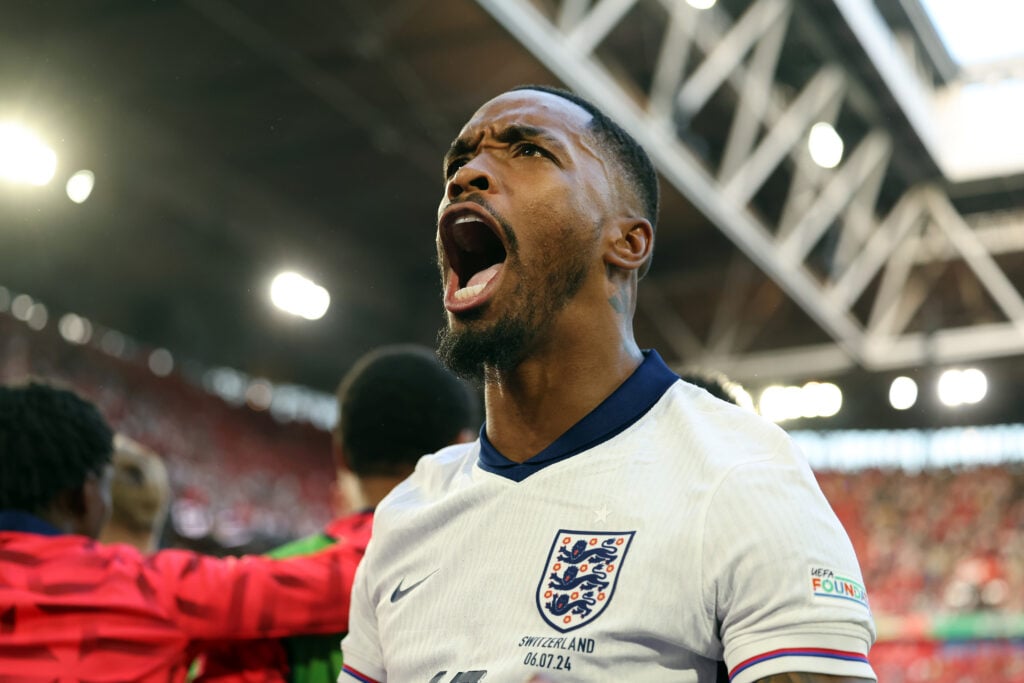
[395, 404]
[612, 523]
[140, 493]
[72, 608]
[718, 385]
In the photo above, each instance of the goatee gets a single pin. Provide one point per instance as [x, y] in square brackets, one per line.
[469, 353]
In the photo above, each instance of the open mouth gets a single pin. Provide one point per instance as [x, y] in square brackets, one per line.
[474, 252]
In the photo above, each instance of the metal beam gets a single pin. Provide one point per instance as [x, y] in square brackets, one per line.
[761, 18]
[977, 257]
[870, 155]
[848, 194]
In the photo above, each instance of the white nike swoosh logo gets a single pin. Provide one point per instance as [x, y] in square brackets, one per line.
[400, 592]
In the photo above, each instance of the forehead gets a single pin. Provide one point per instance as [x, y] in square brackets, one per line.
[531, 108]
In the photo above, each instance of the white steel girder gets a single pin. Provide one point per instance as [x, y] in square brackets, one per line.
[704, 51]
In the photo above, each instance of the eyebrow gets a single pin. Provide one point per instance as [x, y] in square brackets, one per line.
[508, 135]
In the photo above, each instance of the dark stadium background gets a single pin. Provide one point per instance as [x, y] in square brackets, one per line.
[234, 139]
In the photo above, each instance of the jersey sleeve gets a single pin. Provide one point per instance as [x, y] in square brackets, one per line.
[361, 649]
[780, 575]
[214, 599]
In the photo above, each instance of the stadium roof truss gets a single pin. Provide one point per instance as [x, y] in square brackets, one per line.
[858, 247]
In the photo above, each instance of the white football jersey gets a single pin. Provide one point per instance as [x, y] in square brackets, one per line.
[667, 536]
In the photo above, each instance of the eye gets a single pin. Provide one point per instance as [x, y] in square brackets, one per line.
[453, 166]
[528, 149]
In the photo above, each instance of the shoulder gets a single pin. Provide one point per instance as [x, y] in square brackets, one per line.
[68, 551]
[724, 435]
[435, 475]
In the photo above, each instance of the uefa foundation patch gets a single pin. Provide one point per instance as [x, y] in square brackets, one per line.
[831, 585]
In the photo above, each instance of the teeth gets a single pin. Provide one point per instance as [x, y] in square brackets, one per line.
[469, 292]
[466, 218]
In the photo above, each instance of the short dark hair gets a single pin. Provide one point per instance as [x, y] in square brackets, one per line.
[630, 155]
[398, 403]
[715, 383]
[51, 439]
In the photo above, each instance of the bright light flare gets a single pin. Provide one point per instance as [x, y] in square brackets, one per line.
[814, 399]
[962, 387]
[79, 186]
[825, 145]
[24, 158]
[161, 362]
[75, 329]
[701, 4]
[259, 394]
[295, 294]
[902, 393]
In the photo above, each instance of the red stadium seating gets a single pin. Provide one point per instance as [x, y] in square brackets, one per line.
[942, 550]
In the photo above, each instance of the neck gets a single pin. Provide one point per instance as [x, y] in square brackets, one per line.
[532, 405]
[144, 541]
[373, 489]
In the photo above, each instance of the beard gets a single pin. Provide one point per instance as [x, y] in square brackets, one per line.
[468, 352]
[478, 348]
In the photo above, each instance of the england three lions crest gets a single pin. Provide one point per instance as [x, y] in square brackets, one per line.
[580, 576]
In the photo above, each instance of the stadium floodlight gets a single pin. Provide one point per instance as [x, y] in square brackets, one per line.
[161, 362]
[24, 158]
[825, 398]
[701, 4]
[295, 294]
[902, 393]
[75, 329]
[113, 343]
[825, 145]
[813, 399]
[38, 316]
[79, 186]
[259, 394]
[21, 307]
[958, 387]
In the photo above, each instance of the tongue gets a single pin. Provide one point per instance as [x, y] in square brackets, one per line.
[484, 276]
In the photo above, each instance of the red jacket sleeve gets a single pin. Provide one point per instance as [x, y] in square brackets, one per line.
[253, 597]
[255, 661]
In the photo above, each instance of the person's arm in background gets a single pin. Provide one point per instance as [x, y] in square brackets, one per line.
[267, 660]
[256, 661]
[811, 678]
[213, 599]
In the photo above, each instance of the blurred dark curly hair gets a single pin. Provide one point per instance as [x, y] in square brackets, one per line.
[51, 439]
[398, 403]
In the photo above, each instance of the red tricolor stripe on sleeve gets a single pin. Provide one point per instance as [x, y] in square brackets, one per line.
[797, 652]
[359, 676]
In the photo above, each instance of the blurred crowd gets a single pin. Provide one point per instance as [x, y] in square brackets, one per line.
[242, 482]
[932, 542]
[936, 541]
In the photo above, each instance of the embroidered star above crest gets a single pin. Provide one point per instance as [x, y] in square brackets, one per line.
[602, 514]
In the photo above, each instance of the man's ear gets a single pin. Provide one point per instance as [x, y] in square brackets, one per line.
[338, 451]
[80, 510]
[630, 244]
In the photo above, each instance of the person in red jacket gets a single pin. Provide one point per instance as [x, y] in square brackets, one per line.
[395, 404]
[72, 608]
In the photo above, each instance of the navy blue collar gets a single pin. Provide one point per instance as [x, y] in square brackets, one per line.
[626, 405]
[19, 520]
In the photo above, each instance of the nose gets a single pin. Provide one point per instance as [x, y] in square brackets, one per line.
[471, 177]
